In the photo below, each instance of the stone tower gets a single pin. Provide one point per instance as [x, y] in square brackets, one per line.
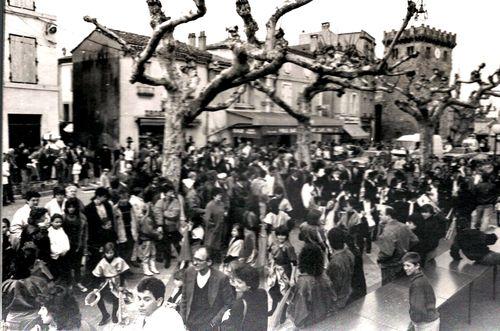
[435, 52]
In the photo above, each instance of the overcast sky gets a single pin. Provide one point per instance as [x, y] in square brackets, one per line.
[474, 22]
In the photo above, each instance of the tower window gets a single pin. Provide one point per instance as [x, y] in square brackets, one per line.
[445, 56]
[427, 52]
[410, 50]
[395, 53]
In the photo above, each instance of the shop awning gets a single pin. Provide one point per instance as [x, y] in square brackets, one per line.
[159, 121]
[281, 122]
[355, 131]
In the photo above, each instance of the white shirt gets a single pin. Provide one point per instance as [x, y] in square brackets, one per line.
[202, 280]
[5, 172]
[163, 318]
[129, 155]
[59, 242]
[54, 208]
[19, 221]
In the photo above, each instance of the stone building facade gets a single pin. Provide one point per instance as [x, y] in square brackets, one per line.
[107, 108]
[30, 97]
[435, 49]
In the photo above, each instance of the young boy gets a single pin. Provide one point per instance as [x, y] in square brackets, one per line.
[423, 312]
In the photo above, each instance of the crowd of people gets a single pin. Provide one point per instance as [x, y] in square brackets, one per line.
[249, 221]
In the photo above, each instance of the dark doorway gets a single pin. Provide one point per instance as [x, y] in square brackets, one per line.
[24, 129]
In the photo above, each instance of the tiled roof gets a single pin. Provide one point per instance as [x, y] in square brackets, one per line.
[183, 51]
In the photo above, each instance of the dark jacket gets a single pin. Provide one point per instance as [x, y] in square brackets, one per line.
[422, 300]
[255, 318]
[220, 293]
[473, 243]
[486, 193]
[429, 232]
[97, 235]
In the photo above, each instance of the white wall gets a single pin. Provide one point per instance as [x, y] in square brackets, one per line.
[40, 98]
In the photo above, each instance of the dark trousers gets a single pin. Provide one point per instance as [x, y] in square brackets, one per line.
[106, 293]
[74, 260]
[164, 247]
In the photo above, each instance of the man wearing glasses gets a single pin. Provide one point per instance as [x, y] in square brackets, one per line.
[206, 294]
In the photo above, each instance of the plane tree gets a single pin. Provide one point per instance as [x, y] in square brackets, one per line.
[185, 101]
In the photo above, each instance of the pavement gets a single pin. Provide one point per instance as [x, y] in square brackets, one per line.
[485, 311]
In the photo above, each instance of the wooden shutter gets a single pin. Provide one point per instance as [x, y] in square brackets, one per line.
[23, 61]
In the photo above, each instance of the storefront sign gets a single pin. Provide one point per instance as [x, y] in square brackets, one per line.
[326, 129]
[245, 132]
[293, 130]
[278, 131]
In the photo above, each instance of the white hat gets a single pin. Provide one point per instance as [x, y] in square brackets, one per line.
[222, 175]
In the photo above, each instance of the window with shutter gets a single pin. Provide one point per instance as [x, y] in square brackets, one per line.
[23, 62]
[25, 4]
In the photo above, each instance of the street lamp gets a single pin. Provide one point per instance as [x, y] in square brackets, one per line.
[495, 131]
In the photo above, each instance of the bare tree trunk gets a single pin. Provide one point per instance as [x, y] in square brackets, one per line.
[304, 143]
[174, 142]
[426, 144]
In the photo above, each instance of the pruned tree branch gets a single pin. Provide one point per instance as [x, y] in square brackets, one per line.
[231, 100]
[273, 20]
[106, 31]
[251, 27]
[271, 93]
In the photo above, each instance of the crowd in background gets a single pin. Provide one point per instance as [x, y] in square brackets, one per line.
[233, 217]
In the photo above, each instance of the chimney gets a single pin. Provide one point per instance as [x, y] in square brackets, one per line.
[192, 40]
[202, 41]
[314, 43]
[325, 26]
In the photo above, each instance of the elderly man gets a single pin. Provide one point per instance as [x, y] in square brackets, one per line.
[206, 294]
[156, 314]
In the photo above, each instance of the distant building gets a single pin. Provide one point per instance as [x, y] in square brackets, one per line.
[107, 108]
[435, 52]
[30, 104]
[255, 117]
[355, 108]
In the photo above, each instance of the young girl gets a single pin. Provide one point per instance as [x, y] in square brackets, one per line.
[59, 246]
[175, 297]
[110, 272]
[76, 227]
[282, 265]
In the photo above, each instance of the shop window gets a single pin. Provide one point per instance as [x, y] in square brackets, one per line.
[23, 61]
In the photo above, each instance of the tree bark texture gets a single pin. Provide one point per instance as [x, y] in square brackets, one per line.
[427, 129]
[174, 142]
[303, 142]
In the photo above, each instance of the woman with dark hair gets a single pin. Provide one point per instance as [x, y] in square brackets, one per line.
[76, 228]
[37, 233]
[249, 310]
[59, 311]
[311, 231]
[312, 299]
